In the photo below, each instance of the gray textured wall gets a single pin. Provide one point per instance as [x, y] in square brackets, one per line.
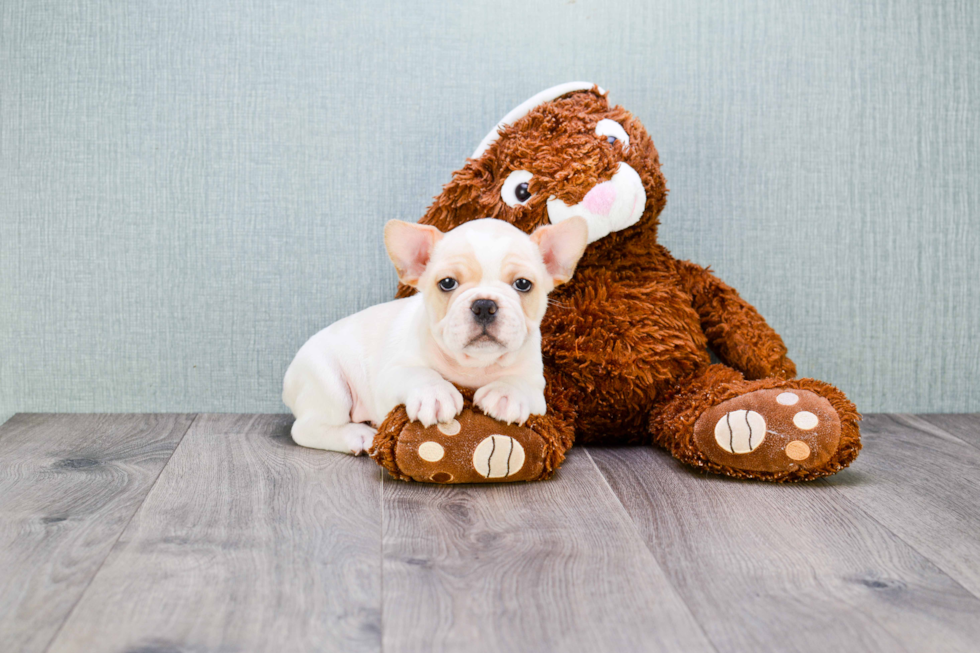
[188, 190]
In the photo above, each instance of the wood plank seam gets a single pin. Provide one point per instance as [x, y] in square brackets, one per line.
[859, 508]
[639, 535]
[381, 554]
[925, 426]
[122, 530]
[247, 542]
[822, 599]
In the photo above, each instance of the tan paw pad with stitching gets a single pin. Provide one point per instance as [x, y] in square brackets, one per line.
[472, 448]
[498, 456]
[740, 431]
[775, 430]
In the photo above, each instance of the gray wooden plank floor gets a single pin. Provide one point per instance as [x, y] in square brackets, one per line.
[246, 543]
[922, 483]
[69, 484]
[796, 563]
[215, 533]
[534, 566]
[964, 427]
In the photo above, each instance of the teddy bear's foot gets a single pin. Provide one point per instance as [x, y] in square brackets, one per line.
[769, 429]
[473, 448]
[779, 430]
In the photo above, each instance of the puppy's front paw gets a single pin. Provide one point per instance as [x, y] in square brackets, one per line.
[359, 438]
[432, 404]
[507, 403]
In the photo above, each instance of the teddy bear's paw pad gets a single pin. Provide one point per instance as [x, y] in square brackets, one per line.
[776, 430]
[498, 456]
[472, 448]
[740, 431]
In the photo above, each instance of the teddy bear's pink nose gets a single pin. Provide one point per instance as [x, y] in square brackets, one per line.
[600, 199]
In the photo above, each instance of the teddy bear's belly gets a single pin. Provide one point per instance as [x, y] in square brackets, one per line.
[616, 346]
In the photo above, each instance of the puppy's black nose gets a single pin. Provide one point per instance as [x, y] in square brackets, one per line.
[484, 311]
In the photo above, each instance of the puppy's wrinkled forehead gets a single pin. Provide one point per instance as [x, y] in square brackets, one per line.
[486, 248]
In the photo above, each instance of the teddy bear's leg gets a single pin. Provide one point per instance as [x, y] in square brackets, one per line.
[770, 429]
[473, 448]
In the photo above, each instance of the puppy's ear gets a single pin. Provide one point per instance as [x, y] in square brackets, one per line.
[562, 246]
[410, 247]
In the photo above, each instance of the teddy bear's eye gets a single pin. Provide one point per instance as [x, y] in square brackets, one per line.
[515, 190]
[613, 132]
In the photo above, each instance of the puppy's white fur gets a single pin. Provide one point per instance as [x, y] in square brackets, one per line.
[346, 379]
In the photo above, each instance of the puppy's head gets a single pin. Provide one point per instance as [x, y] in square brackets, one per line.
[485, 283]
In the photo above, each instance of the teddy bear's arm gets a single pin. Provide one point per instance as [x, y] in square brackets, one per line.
[734, 328]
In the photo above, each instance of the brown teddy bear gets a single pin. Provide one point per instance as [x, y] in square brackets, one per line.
[625, 342]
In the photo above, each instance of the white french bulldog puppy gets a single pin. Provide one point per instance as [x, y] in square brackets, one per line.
[482, 291]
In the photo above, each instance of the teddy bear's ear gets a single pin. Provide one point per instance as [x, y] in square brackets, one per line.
[561, 246]
[410, 247]
[525, 108]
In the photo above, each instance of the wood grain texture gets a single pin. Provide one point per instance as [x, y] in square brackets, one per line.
[551, 566]
[788, 567]
[69, 484]
[965, 426]
[923, 483]
[247, 542]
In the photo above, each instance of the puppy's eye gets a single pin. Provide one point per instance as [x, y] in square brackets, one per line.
[613, 132]
[515, 189]
[523, 285]
[448, 284]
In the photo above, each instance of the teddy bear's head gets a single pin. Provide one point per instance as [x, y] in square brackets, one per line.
[564, 152]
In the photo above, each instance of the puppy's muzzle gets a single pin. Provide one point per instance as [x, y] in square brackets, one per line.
[484, 311]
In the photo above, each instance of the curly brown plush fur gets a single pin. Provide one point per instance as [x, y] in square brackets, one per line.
[625, 341]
